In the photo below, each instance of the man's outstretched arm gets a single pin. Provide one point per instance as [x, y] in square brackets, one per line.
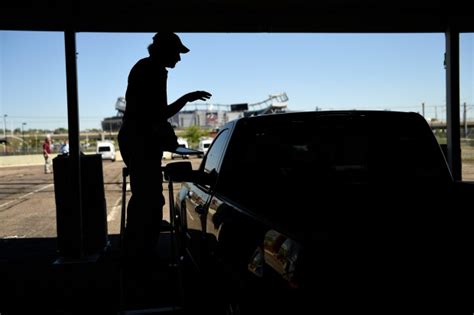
[176, 106]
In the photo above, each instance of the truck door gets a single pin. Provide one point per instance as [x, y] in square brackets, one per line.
[199, 199]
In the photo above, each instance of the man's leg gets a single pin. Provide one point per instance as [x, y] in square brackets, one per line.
[144, 215]
[47, 165]
[145, 208]
[155, 202]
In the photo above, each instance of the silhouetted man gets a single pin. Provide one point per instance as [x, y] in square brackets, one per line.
[141, 139]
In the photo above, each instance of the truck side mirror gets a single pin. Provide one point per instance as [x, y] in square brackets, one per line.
[204, 178]
[183, 172]
[179, 171]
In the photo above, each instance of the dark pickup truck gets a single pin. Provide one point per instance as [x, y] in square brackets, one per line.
[312, 212]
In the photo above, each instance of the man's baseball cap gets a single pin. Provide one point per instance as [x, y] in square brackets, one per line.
[169, 40]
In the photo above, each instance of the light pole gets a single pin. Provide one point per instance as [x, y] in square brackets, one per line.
[36, 142]
[5, 133]
[23, 135]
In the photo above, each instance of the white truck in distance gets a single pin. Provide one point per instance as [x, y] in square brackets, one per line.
[204, 144]
[106, 149]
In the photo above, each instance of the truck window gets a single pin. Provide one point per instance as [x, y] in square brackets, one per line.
[273, 156]
[215, 153]
[104, 149]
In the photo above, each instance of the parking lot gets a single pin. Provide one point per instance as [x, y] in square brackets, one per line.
[27, 199]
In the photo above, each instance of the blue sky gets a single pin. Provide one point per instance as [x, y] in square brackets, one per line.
[329, 71]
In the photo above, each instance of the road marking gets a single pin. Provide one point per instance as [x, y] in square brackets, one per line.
[26, 195]
[115, 210]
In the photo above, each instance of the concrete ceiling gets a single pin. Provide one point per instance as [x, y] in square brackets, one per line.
[236, 15]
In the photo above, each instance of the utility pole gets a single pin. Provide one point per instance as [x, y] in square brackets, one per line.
[36, 141]
[5, 133]
[23, 136]
[465, 119]
[423, 109]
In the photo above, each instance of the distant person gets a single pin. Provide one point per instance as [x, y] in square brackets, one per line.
[64, 149]
[142, 139]
[46, 154]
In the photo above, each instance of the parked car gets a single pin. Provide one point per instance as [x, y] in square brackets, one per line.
[311, 211]
[106, 149]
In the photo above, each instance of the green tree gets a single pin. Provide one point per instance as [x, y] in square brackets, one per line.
[193, 133]
[60, 131]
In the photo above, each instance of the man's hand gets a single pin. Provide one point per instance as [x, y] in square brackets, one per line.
[175, 107]
[197, 95]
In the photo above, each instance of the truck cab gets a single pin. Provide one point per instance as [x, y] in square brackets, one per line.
[273, 190]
